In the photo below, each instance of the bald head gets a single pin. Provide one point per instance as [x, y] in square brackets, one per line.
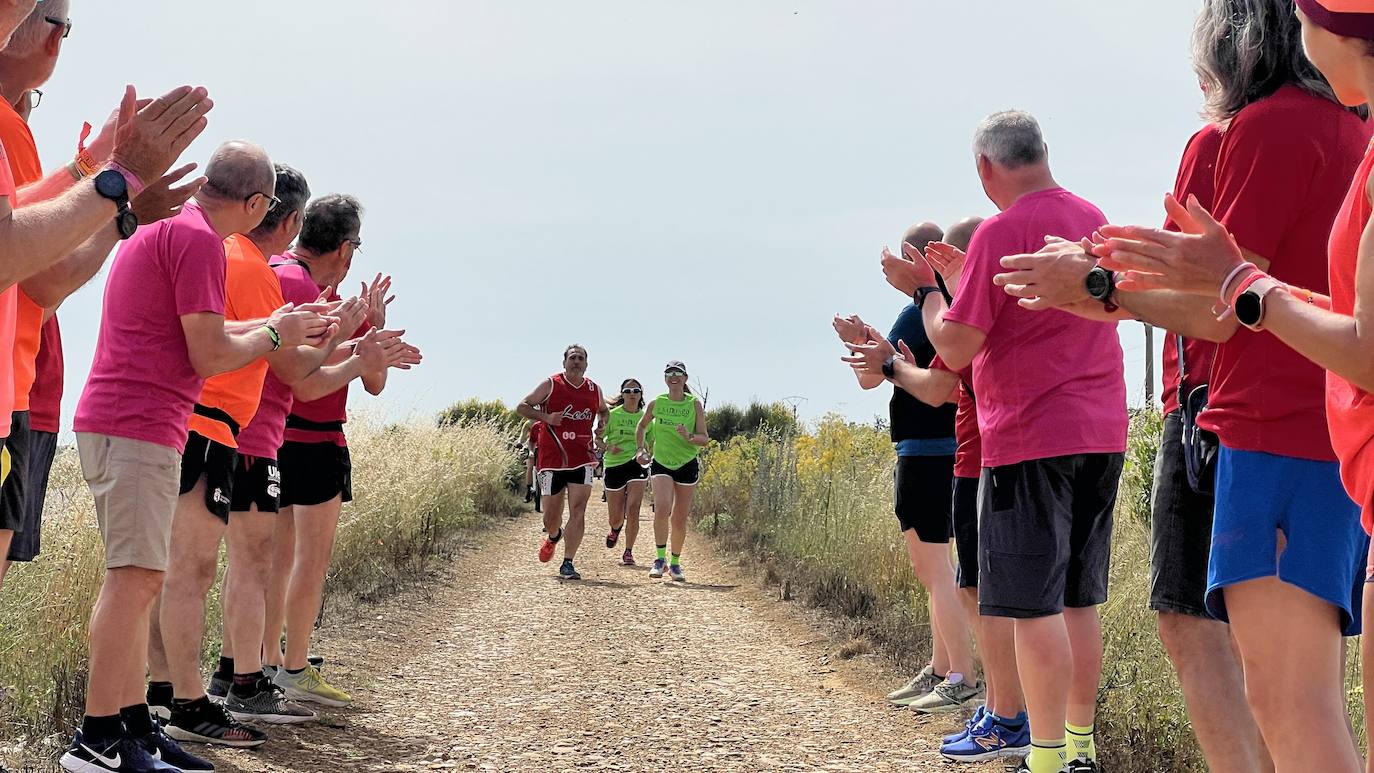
[921, 234]
[961, 233]
[237, 170]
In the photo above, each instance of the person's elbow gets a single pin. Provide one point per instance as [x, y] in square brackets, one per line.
[204, 362]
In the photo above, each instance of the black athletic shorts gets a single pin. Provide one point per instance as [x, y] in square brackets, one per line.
[686, 475]
[257, 482]
[619, 476]
[1180, 530]
[26, 544]
[966, 530]
[314, 473]
[1045, 534]
[204, 458]
[13, 496]
[552, 482]
[922, 489]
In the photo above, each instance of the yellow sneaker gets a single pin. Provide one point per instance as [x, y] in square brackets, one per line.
[308, 685]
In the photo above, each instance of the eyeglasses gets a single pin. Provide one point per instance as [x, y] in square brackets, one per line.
[672, 373]
[272, 201]
[65, 24]
[357, 243]
[35, 98]
[632, 391]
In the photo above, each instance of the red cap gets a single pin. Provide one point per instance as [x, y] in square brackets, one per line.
[1351, 18]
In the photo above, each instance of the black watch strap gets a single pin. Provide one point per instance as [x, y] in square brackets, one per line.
[922, 292]
[889, 367]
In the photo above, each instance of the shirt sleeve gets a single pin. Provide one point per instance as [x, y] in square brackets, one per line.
[979, 301]
[1263, 175]
[197, 273]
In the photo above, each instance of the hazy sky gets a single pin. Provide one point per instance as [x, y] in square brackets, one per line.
[705, 181]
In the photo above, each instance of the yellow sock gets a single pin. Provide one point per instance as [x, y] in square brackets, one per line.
[1047, 756]
[1081, 742]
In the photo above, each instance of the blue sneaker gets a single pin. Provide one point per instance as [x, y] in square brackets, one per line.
[974, 721]
[675, 572]
[660, 566]
[989, 741]
[567, 572]
[122, 756]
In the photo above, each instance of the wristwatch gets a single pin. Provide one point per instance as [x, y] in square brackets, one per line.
[1249, 305]
[921, 293]
[1101, 286]
[889, 367]
[111, 185]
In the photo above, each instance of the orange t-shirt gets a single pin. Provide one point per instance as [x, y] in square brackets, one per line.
[26, 168]
[251, 291]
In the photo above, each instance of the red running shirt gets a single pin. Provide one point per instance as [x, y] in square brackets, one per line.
[1349, 409]
[569, 445]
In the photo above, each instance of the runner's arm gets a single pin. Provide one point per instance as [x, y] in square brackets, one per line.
[931, 386]
[701, 436]
[537, 397]
[375, 381]
[327, 379]
[216, 346]
[641, 444]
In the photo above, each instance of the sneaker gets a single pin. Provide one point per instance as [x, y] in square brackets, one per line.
[218, 689]
[206, 722]
[660, 566]
[988, 741]
[269, 705]
[973, 721]
[613, 538]
[308, 685]
[270, 671]
[1025, 768]
[529, 495]
[675, 572]
[161, 747]
[919, 686]
[546, 549]
[567, 572]
[627, 558]
[123, 756]
[316, 661]
[947, 697]
[1081, 765]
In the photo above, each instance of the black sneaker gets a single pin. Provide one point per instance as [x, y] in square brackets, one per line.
[1081, 765]
[567, 572]
[217, 690]
[123, 756]
[268, 704]
[206, 722]
[161, 747]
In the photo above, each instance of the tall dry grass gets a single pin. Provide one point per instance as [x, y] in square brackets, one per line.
[816, 508]
[417, 488]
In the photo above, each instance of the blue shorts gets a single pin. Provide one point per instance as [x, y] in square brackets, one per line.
[1259, 494]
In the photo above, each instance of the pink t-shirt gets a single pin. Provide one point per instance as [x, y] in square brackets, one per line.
[142, 384]
[1049, 383]
[262, 437]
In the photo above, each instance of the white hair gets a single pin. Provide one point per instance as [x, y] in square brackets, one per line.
[36, 28]
[1010, 138]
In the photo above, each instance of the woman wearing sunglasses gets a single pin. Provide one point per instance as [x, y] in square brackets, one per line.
[625, 475]
[674, 471]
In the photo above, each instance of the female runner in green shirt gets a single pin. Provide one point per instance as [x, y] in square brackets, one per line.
[674, 471]
[625, 474]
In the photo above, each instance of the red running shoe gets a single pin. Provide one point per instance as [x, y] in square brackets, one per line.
[546, 549]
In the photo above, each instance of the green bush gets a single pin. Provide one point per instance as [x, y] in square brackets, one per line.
[726, 421]
[477, 411]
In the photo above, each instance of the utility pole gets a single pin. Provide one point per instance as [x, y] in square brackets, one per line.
[1149, 365]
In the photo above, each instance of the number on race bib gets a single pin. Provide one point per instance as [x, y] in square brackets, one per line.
[569, 435]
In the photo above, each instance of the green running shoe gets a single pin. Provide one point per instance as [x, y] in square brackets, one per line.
[919, 687]
[308, 685]
[947, 697]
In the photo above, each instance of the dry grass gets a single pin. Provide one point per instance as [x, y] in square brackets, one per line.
[417, 488]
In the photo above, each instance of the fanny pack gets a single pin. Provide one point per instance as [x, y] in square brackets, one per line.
[295, 422]
[217, 415]
[1199, 445]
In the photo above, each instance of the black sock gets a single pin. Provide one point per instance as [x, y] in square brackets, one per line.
[226, 668]
[137, 720]
[295, 671]
[160, 693]
[246, 685]
[617, 529]
[182, 704]
[99, 732]
[555, 538]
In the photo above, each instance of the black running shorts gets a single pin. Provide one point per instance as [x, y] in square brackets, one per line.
[922, 487]
[257, 483]
[26, 544]
[204, 458]
[620, 476]
[14, 489]
[1180, 530]
[686, 475]
[314, 473]
[553, 482]
[966, 530]
[1045, 534]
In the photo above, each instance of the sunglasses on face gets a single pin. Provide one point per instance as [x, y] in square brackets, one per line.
[672, 373]
[632, 391]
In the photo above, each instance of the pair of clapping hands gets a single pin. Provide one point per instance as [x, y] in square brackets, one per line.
[325, 321]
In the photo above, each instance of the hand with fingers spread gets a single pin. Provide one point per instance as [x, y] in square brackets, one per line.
[850, 329]
[868, 357]
[148, 140]
[300, 326]
[377, 299]
[904, 274]
[350, 312]
[1051, 278]
[949, 261]
[160, 200]
[1195, 261]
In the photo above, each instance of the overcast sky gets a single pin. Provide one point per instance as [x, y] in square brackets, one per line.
[705, 181]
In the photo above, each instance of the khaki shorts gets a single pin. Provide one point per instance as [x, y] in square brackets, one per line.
[135, 485]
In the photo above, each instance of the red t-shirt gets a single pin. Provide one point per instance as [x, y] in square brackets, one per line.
[1350, 409]
[1196, 177]
[45, 399]
[968, 456]
[1284, 167]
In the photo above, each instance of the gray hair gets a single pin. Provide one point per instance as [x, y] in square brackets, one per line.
[237, 170]
[292, 192]
[36, 28]
[1245, 50]
[1011, 139]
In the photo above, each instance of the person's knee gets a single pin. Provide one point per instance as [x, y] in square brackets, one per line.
[1190, 641]
[134, 584]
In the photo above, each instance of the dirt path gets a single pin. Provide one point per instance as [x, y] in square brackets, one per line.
[503, 667]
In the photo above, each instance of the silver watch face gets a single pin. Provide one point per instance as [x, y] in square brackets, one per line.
[1098, 285]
